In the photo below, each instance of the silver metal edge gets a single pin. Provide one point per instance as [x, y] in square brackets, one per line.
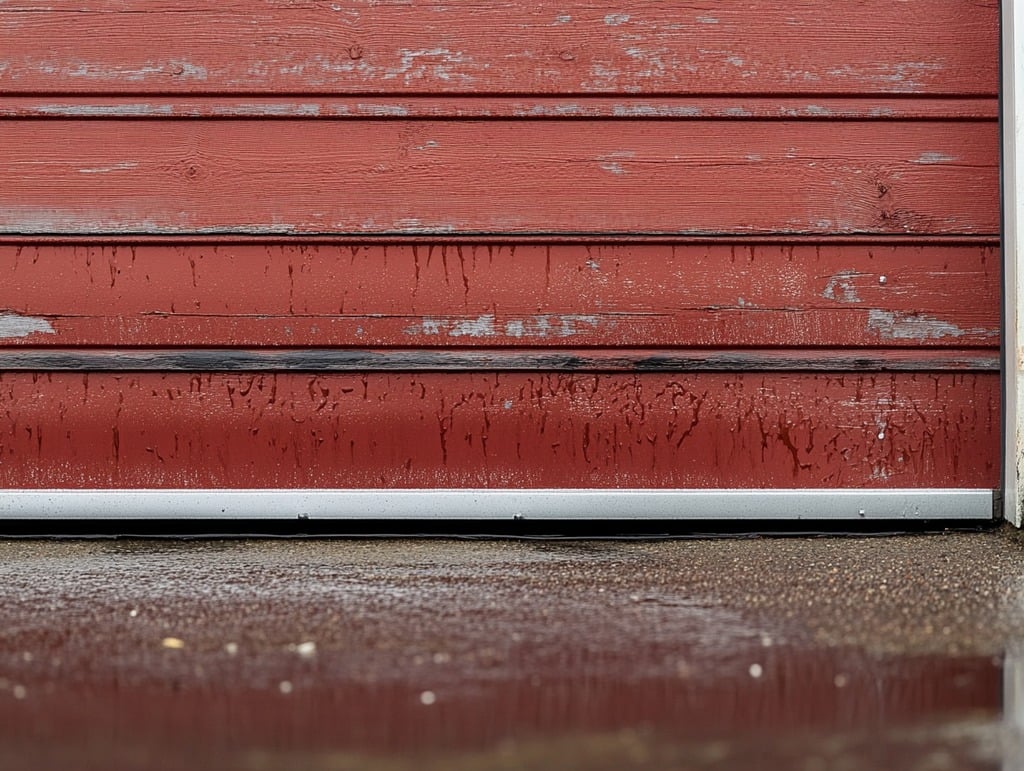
[499, 504]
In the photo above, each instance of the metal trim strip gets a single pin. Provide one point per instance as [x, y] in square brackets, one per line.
[498, 504]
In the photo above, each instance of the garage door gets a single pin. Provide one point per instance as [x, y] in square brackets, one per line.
[294, 258]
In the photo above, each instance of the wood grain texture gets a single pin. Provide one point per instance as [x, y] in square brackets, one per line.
[489, 295]
[365, 177]
[282, 46]
[308, 106]
[832, 360]
[499, 430]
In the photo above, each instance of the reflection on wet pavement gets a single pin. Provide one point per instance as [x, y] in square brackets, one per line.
[827, 653]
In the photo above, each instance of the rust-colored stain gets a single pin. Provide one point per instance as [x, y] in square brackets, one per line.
[568, 176]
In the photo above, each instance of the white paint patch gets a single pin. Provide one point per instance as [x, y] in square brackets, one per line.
[841, 287]
[382, 110]
[657, 62]
[14, 325]
[615, 19]
[707, 20]
[259, 110]
[656, 111]
[104, 110]
[440, 63]
[563, 18]
[124, 166]
[413, 225]
[817, 109]
[899, 77]
[188, 70]
[891, 325]
[22, 220]
[544, 110]
[486, 326]
[933, 156]
[430, 144]
[482, 326]
[550, 326]
[805, 75]
[611, 161]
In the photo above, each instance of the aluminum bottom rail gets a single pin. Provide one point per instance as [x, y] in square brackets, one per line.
[498, 504]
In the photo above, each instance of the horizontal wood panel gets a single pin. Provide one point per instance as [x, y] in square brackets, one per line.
[436, 177]
[499, 430]
[527, 294]
[497, 359]
[278, 46]
[811, 107]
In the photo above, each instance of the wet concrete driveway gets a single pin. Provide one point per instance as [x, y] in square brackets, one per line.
[799, 653]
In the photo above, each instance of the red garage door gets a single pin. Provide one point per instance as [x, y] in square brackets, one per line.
[527, 259]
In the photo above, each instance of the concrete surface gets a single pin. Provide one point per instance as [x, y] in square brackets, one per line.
[804, 653]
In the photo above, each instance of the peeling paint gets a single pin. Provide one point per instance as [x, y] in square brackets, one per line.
[707, 20]
[189, 70]
[14, 325]
[560, 325]
[91, 70]
[258, 110]
[841, 287]
[892, 325]
[27, 219]
[481, 326]
[414, 225]
[900, 77]
[544, 110]
[655, 111]
[106, 169]
[104, 110]
[439, 64]
[615, 19]
[933, 156]
[610, 162]
[380, 110]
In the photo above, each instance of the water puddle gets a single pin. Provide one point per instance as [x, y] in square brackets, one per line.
[449, 655]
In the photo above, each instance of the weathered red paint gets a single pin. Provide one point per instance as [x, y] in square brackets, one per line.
[499, 430]
[488, 295]
[811, 176]
[929, 47]
[77, 176]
